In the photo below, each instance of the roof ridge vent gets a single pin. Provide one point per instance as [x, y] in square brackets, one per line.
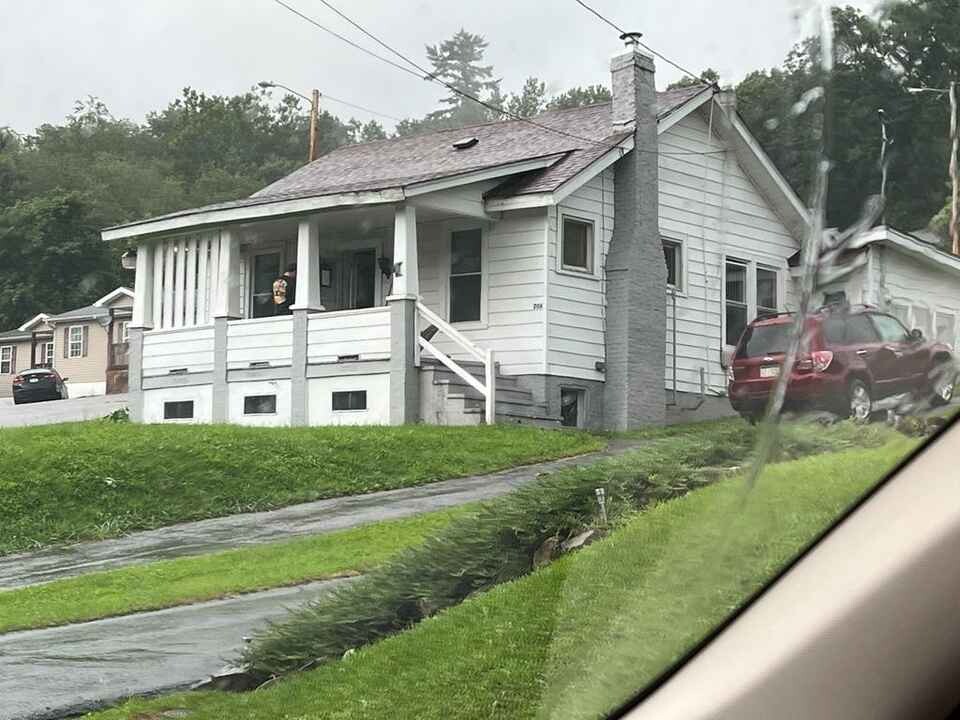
[465, 143]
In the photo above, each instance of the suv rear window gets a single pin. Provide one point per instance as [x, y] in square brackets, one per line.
[764, 340]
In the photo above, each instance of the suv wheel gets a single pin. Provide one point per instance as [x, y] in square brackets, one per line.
[944, 378]
[860, 404]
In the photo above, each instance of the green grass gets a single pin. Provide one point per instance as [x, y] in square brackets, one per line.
[81, 481]
[195, 579]
[576, 638]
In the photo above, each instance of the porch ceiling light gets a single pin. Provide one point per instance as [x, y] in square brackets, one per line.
[128, 261]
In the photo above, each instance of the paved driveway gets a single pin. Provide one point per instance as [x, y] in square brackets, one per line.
[57, 411]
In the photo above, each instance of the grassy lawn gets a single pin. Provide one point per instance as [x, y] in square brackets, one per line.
[195, 579]
[80, 481]
[578, 636]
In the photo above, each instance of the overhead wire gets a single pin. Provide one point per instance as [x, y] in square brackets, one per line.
[431, 77]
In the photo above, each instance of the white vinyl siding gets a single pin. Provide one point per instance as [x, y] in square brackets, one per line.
[513, 287]
[261, 341]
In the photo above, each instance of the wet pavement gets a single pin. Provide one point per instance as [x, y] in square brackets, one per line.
[217, 534]
[63, 671]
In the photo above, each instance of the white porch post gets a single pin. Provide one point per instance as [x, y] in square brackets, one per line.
[308, 266]
[225, 307]
[306, 300]
[142, 320]
[404, 376]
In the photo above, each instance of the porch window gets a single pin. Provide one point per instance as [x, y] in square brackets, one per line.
[577, 240]
[736, 300]
[75, 341]
[673, 255]
[266, 269]
[466, 281]
[260, 405]
[350, 400]
[178, 410]
[6, 360]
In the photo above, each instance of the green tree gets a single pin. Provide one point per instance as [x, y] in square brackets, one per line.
[580, 96]
[458, 62]
[710, 75]
[530, 101]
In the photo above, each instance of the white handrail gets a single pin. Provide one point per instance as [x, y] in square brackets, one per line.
[451, 332]
[489, 387]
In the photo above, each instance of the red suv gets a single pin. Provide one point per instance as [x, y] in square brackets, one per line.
[851, 360]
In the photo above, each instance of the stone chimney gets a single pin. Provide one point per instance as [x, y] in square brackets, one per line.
[634, 392]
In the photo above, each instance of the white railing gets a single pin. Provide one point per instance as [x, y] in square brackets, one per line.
[489, 387]
[178, 350]
[358, 334]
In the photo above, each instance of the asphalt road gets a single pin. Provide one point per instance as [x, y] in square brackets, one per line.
[58, 411]
[64, 671]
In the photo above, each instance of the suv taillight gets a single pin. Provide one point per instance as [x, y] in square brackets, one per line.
[818, 361]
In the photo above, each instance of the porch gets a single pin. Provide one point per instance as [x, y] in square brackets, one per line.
[350, 350]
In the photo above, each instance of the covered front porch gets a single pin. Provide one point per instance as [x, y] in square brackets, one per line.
[209, 344]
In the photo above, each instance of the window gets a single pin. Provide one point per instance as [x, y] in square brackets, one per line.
[266, 269]
[75, 341]
[766, 291]
[48, 353]
[889, 328]
[673, 255]
[900, 312]
[860, 330]
[921, 320]
[6, 360]
[577, 241]
[736, 304]
[466, 282]
[123, 331]
[260, 405]
[946, 328]
[350, 400]
[178, 410]
[571, 400]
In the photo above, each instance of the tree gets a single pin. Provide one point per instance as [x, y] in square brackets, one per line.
[51, 257]
[457, 62]
[710, 75]
[530, 101]
[580, 96]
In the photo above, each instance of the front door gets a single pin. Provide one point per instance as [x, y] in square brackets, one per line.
[266, 269]
[365, 278]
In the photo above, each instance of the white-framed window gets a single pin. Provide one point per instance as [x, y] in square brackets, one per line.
[466, 276]
[750, 289]
[123, 331]
[6, 360]
[48, 353]
[75, 341]
[576, 244]
[673, 256]
[946, 328]
[260, 405]
[922, 319]
[346, 400]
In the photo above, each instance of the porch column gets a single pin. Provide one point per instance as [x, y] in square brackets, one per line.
[404, 377]
[226, 307]
[307, 300]
[141, 321]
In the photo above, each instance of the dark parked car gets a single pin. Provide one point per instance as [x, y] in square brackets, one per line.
[38, 384]
[852, 358]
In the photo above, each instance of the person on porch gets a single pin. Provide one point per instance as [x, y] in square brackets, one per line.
[285, 290]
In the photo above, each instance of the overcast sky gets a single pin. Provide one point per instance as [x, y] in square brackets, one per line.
[136, 55]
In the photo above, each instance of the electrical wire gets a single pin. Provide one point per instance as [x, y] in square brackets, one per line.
[642, 44]
[429, 76]
[325, 96]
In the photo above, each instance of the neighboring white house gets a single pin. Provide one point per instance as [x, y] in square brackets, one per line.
[525, 275]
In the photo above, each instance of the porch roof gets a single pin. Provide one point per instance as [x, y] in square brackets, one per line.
[567, 142]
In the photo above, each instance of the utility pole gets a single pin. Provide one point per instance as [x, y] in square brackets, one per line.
[314, 112]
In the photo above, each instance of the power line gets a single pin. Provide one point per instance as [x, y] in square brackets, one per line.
[646, 47]
[429, 76]
[325, 96]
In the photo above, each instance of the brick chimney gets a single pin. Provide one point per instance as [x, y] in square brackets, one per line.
[634, 393]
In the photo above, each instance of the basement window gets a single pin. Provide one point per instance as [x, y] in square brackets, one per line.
[350, 400]
[577, 241]
[571, 405]
[260, 405]
[178, 410]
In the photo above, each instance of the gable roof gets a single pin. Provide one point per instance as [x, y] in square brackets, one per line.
[33, 322]
[114, 295]
[564, 140]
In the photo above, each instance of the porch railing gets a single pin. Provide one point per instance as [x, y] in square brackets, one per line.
[488, 388]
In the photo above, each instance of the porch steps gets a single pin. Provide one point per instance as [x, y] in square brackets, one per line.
[515, 405]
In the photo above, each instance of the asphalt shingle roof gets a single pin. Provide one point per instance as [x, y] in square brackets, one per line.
[88, 311]
[15, 335]
[575, 136]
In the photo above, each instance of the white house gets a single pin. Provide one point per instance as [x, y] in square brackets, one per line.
[525, 273]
